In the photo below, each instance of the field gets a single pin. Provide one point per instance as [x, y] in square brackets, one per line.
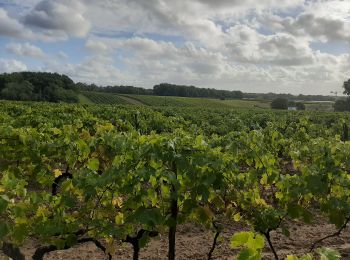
[120, 181]
[101, 98]
[319, 106]
[198, 102]
[166, 101]
[170, 101]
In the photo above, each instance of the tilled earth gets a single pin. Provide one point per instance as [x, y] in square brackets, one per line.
[194, 242]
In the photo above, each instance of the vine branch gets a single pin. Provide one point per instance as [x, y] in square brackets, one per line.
[217, 234]
[335, 234]
[12, 251]
[41, 251]
[268, 238]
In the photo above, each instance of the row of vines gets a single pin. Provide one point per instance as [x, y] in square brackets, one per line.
[104, 98]
[74, 174]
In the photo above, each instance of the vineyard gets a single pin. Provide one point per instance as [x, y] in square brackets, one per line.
[103, 98]
[198, 102]
[114, 175]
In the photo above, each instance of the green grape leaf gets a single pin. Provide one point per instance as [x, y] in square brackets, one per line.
[3, 204]
[240, 239]
[4, 229]
[93, 164]
[328, 254]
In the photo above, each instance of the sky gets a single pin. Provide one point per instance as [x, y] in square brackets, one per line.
[281, 46]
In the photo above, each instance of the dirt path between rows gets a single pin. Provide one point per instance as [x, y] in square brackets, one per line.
[194, 242]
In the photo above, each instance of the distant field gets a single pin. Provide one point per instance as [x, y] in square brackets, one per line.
[247, 103]
[161, 101]
[198, 102]
[84, 100]
[102, 98]
[175, 101]
[319, 106]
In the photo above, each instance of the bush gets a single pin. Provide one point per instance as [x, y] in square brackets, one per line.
[279, 103]
[342, 105]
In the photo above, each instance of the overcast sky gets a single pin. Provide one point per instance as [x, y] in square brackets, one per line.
[289, 46]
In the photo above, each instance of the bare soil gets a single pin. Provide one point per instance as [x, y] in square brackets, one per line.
[194, 242]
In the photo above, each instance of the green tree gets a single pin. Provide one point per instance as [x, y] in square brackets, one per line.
[346, 87]
[41, 86]
[300, 106]
[344, 105]
[18, 91]
[279, 103]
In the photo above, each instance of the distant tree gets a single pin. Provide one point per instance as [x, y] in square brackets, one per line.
[41, 86]
[18, 91]
[300, 105]
[279, 103]
[166, 89]
[346, 87]
[341, 104]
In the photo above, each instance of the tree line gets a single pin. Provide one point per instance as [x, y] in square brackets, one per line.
[53, 87]
[165, 89]
[38, 86]
[344, 104]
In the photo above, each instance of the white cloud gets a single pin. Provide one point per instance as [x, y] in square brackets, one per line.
[8, 66]
[9, 26]
[96, 46]
[93, 69]
[264, 45]
[64, 17]
[325, 21]
[247, 45]
[25, 49]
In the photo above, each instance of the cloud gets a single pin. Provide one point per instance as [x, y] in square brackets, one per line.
[59, 16]
[246, 45]
[93, 69]
[9, 26]
[25, 49]
[7, 66]
[278, 62]
[266, 45]
[321, 28]
[325, 21]
[96, 46]
[13, 28]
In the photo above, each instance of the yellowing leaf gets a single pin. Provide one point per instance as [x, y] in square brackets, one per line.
[260, 201]
[56, 131]
[237, 217]
[110, 248]
[279, 195]
[57, 173]
[105, 128]
[85, 135]
[118, 201]
[119, 219]
[21, 220]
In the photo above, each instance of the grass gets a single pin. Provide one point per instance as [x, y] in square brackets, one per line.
[84, 100]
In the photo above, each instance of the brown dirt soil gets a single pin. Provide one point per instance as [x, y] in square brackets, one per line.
[194, 242]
